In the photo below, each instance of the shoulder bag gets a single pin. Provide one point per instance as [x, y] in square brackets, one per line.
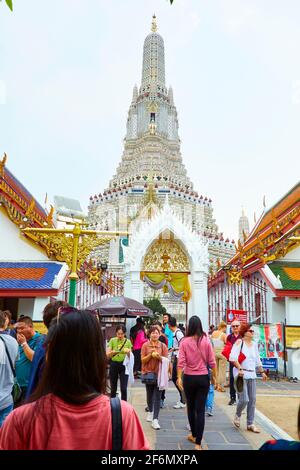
[227, 350]
[150, 378]
[118, 351]
[16, 389]
[116, 420]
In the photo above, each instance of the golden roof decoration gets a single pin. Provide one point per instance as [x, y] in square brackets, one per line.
[2, 164]
[234, 275]
[60, 245]
[165, 255]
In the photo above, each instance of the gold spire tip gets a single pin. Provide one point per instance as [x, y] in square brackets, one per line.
[154, 25]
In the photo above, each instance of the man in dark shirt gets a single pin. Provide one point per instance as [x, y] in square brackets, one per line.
[235, 326]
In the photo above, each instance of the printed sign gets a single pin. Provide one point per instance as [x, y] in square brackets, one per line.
[269, 340]
[270, 363]
[240, 315]
[292, 337]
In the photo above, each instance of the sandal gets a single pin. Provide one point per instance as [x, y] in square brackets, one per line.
[237, 421]
[191, 438]
[253, 428]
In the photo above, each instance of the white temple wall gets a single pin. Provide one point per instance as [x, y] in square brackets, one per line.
[33, 307]
[276, 312]
[292, 306]
[15, 247]
[26, 307]
[198, 305]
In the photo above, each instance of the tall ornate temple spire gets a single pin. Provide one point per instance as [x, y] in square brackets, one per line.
[152, 123]
[243, 227]
[153, 58]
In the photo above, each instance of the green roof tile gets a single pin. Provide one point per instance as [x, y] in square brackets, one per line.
[278, 268]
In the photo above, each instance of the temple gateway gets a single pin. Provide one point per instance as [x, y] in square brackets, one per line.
[173, 239]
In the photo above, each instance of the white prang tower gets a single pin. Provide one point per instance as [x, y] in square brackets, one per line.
[151, 167]
[243, 227]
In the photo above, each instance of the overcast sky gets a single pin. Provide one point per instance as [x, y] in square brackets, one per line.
[67, 69]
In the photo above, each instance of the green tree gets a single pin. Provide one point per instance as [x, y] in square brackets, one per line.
[9, 3]
[157, 308]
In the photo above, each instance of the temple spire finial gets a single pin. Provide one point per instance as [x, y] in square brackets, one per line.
[154, 24]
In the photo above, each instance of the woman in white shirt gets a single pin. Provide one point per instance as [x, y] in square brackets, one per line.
[246, 369]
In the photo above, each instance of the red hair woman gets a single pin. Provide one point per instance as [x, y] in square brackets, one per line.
[246, 368]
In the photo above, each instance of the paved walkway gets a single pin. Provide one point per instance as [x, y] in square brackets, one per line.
[219, 434]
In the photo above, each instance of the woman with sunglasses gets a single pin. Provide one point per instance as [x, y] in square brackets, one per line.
[70, 409]
[247, 369]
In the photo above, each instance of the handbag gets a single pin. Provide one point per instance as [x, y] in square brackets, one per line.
[239, 384]
[227, 350]
[150, 378]
[16, 389]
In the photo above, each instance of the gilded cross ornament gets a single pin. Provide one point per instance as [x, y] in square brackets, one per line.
[71, 245]
[166, 260]
[234, 275]
[166, 255]
[94, 276]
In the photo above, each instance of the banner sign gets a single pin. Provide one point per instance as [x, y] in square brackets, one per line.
[292, 337]
[240, 315]
[269, 340]
[270, 363]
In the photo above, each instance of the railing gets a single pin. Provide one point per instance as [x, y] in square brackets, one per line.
[88, 293]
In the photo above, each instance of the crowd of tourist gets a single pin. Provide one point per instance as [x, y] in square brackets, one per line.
[54, 390]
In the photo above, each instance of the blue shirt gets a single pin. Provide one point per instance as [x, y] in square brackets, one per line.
[23, 365]
[37, 365]
[169, 335]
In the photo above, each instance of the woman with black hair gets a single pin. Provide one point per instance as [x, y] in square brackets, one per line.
[69, 408]
[195, 356]
[138, 338]
[117, 350]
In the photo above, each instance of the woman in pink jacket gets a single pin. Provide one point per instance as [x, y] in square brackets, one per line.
[196, 356]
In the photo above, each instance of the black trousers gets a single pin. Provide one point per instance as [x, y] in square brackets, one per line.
[174, 380]
[118, 370]
[137, 367]
[196, 389]
[153, 399]
[231, 381]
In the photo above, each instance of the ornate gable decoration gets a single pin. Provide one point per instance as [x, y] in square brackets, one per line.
[149, 231]
[166, 255]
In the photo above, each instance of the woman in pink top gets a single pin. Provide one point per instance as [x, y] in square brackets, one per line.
[196, 356]
[138, 338]
[69, 409]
